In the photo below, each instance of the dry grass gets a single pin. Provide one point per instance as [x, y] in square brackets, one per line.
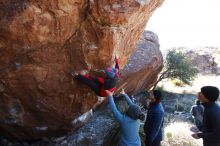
[179, 134]
[200, 81]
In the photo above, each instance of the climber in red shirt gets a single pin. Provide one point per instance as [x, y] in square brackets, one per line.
[100, 84]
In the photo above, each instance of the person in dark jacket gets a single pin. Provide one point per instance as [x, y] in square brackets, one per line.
[100, 84]
[154, 121]
[197, 114]
[211, 116]
[129, 122]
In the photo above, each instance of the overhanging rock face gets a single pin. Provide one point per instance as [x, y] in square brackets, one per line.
[41, 40]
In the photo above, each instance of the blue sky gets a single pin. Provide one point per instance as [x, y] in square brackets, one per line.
[190, 23]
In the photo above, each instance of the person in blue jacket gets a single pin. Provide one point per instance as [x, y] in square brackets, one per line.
[154, 121]
[129, 122]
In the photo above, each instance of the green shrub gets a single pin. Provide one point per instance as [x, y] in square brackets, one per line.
[177, 65]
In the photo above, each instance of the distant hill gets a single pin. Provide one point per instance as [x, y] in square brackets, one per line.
[205, 59]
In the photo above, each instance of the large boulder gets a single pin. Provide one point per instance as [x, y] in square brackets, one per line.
[141, 71]
[41, 40]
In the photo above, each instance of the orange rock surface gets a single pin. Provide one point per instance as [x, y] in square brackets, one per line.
[41, 40]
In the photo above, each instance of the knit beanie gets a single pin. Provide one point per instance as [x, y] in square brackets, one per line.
[210, 92]
[134, 111]
[110, 72]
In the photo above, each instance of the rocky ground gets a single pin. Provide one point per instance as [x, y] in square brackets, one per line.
[99, 131]
[177, 107]
[92, 134]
